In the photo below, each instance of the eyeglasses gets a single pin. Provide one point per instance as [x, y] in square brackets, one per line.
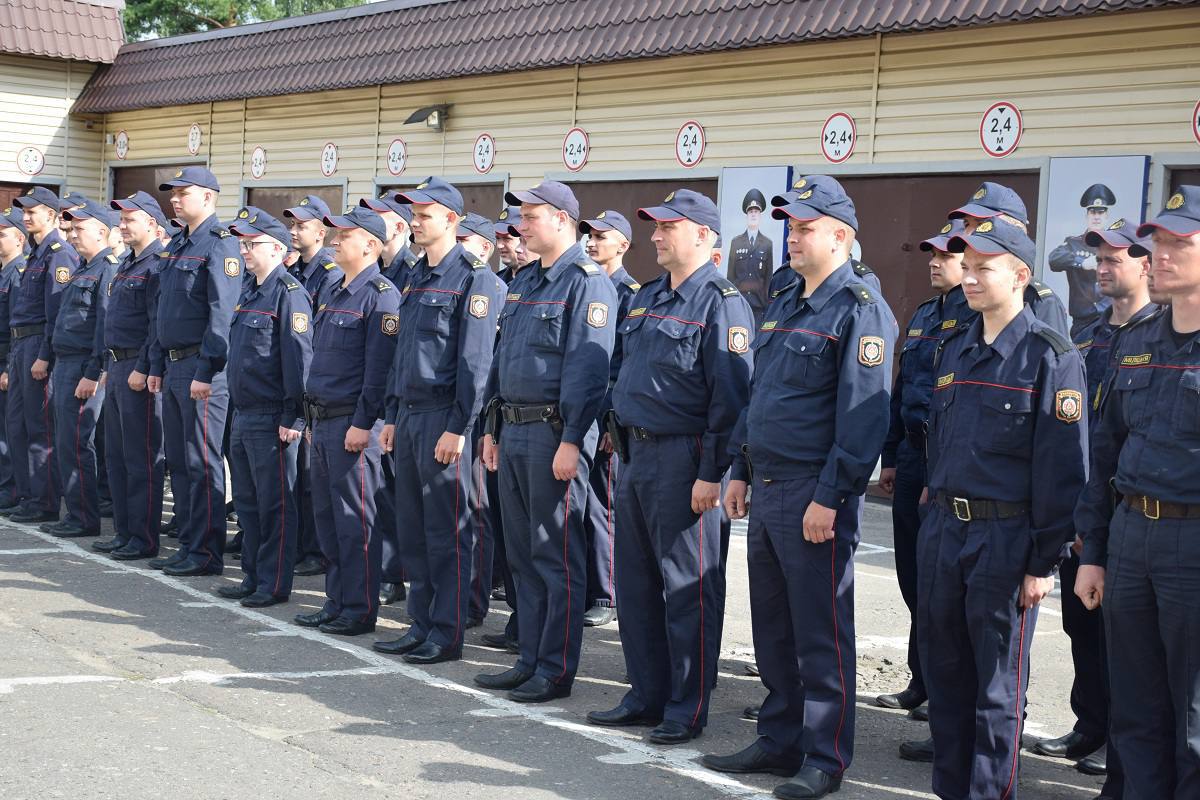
[248, 246]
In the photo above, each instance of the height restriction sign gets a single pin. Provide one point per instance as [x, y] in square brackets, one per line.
[838, 137]
[1000, 130]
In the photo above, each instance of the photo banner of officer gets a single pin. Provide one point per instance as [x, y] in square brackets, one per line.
[1087, 193]
[753, 244]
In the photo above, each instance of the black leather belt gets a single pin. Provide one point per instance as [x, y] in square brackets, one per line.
[1161, 509]
[524, 414]
[123, 353]
[966, 509]
[27, 330]
[641, 434]
[314, 410]
[183, 352]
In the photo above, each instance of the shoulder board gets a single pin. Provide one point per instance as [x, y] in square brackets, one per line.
[588, 267]
[628, 280]
[933, 299]
[725, 286]
[1153, 315]
[476, 262]
[1042, 289]
[55, 246]
[1057, 341]
[410, 259]
[330, 265]
[291, 283]
[861, 268]
[862, 293]
[112, 259]
[383, 285]
[222, 232]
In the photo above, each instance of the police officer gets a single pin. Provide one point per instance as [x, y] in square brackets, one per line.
[12, 262]
[477, 235]
[270, 349]
[996, 201]
[902, 472]
[514, 250]
[1140, 544]
[398, 259]
[683, 383]
[33, 310]
[1077, 259]
[814, 428]
[1123, 280]
[199, 283]
[132, 416]
[609, 238]
[562, 310]
[1007, 451]
[751, 255]
[448, 312]
[353, 343]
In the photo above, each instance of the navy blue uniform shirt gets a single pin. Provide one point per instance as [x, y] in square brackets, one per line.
[353, 345]
[448, 319]
[199, 284]
[1008, 422]
[556, 339]
[626, 288]
[132, 304]
[271, 347]
[399, 269]
[785, 276]
[48, 268]
[10, 278]
[1148, 440]
[79, 326]
[1095, 343]
[819, 400]
[316, 274]
[688, 363]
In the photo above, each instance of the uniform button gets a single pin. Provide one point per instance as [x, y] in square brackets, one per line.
[1007, 406]
[803, 348]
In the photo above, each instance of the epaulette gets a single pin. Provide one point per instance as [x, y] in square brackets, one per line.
[383, 285]
[862, 293]
[1042, 289]
[588, 267]
[55, 246]
[411, 258]
[1155, 314]
[725, 286]
[112, 259]
[222, 232]
[1057, 341]
[330, 265]
[933, 299]
[291, 283]
[628, 280]
[476, 262]
[860, 268]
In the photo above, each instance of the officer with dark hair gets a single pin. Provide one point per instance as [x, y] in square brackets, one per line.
[1077, 259]
[752, 255]
[12, 262]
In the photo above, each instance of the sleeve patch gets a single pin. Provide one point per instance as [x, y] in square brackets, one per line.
[300, 322]
[233, 267]
[739, 339]
[391, 324]
[597, 315]
[1068, 405]
[62, 274]
[478, 305]
[870, 351]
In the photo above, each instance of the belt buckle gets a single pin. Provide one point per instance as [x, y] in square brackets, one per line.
[964, 515]
[1146, 508]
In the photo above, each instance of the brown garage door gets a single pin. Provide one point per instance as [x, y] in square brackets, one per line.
[127, 180]
[483, 198]
[274, 199]
[1181, 177]
[8, 191]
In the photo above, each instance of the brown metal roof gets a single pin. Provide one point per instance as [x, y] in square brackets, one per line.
[413, 40]
[84, 30]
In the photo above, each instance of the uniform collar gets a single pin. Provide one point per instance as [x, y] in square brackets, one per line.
[687, 290]
[1007, 340]
[194, 233]
[573, 255]
[52, 237]
[455, 255]
[619, 275]
[307, 268]
[99, 258]
[17, 263]
[274, 275]
[152, 250]
[362, 279]
[831, 286]
[1165, 334]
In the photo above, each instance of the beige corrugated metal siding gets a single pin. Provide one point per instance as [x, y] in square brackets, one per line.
[35, 96]
[1123, 83]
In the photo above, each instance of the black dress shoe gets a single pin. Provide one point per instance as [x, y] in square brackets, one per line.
[596, 616]
[499, 641]
[622, 717]
[9, 507]
[539, 690]
[398, 647]
[751, 713]
[1073, 745]
[920, 713]
[309, 566]
[262, 600]
[918, 750]
[191, 569]
[108, 545]
[671, 732]
[1094, 764]
[432, 653]
[809, 782]
[315, 619]
[235, 592]
[509, 679]
[752, 670]
[753, 759]
[499, 594]
[70, 530]
[910, 698]
[347, 627]
[169, 561]
[30, 516]
[391, 592]
[130, 553]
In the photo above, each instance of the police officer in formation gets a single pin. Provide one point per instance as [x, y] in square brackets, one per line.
[1077, 259]
[270, 350]
[683, 382]
[12, 263]
[609, 239]
[1137, 519]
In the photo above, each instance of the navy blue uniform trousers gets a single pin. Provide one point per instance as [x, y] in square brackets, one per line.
[802, 615]
[1150, 591]
[347, 490]
[263, 471]
[601, 524]
[906, 523]
[974, 650]
[307, 545]
[193, 434]
[133, 455]
[545, 543]
[74, 441]
[672, 573]
[483, 534]
[8, 485]
[388, 519]
[30, 417]
[436, 544]
[500, 552]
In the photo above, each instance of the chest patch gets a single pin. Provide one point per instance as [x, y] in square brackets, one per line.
[1136, 361]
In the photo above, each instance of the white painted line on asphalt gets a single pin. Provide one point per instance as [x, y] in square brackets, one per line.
[678, 762]
[218, 678]
[890, 789]
[8, 684]
[30, 551]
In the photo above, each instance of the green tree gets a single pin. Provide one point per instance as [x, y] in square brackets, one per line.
[148, 19]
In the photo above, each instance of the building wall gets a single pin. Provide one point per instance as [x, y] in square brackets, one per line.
[1110, 84]
[35, 97]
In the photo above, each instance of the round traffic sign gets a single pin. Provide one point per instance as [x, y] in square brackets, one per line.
[329, 159]
[397, 156]
[484, 154]
[195, 135]
[121, 145]
[31, 161]
[1000, 130]
[838, 137]
[689, 143]
[258, 163]
[575, 150]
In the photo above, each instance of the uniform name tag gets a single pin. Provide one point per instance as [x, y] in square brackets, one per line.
[915, 331]
[1134, 361]
[945, 381]
[637, 312]
[514, 297]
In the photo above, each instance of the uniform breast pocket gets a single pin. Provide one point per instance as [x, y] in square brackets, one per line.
[1133, 386]
[433, 314]
[1185, 418]
[348, 332]
[261, 332]
[547, 328]
[677, 346]
[810, 362]
[1006, 423]
[132, 293]
[185, 279]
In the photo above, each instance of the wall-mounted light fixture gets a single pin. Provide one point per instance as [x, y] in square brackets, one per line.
[434, 117]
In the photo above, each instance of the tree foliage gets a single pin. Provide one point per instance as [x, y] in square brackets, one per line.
[148, 19]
